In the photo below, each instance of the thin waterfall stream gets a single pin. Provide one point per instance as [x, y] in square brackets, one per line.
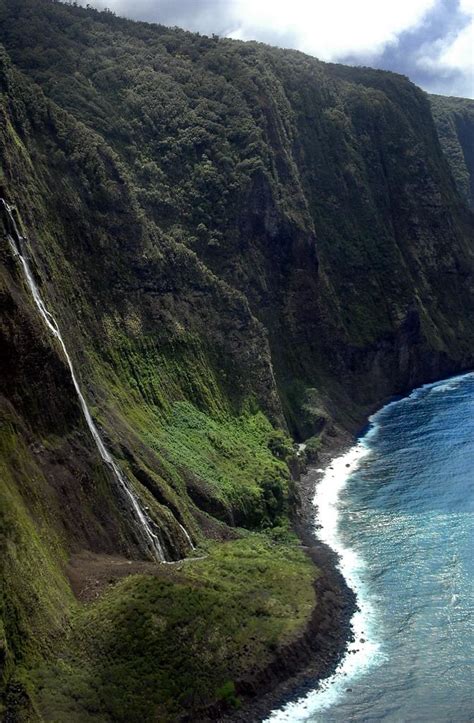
[144, 524]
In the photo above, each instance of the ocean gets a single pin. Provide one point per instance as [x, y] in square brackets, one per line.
[399, 510]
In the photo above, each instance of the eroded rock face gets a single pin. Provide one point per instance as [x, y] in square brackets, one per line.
[454, 119]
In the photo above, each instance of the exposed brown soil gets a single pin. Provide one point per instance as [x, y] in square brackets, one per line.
[90, 574]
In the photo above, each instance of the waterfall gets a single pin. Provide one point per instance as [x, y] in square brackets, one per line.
[186, 534]
[144, 524]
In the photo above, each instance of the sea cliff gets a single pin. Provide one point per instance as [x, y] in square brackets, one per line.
[242, 247]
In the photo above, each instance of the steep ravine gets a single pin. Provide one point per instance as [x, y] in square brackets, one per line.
[240, 245]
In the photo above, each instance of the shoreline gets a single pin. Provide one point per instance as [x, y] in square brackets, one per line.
[317, 652]
[302, 665]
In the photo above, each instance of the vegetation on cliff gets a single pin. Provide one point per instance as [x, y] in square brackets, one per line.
[238, 243]
[454, 118]
[186, 634]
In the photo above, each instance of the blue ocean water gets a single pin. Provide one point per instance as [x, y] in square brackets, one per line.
[399, 510]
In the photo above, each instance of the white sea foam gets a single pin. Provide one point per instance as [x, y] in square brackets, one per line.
[319, 704]
[364, 651]
[447, 386]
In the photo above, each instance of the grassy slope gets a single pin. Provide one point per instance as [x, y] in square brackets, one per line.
[183, 638]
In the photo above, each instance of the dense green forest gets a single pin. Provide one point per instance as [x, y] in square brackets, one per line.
[244, 247]
[454, 118]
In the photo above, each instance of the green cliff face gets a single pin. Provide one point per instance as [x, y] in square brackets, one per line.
[238, 244]
[454, 118]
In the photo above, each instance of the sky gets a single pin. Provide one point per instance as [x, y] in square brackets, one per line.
[431, 41]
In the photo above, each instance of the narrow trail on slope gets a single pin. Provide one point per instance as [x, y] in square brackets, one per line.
[91, 575]
[144, 525]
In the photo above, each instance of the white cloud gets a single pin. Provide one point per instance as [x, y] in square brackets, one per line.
[328, 29]
[335, 30]
[452, 57]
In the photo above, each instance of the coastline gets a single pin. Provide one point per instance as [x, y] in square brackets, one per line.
[315, 655]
